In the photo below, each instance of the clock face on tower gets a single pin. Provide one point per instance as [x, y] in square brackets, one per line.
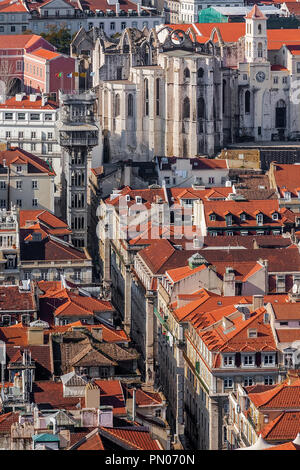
[260, 76]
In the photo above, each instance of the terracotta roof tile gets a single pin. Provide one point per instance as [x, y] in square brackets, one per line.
[135, 438]
[284, 427]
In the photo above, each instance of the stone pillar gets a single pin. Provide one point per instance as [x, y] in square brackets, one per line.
[149, 356]
[127, 300]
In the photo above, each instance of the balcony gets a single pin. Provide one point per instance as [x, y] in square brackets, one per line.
[88, 141]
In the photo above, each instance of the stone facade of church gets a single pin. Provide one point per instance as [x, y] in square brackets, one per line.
[162, 93]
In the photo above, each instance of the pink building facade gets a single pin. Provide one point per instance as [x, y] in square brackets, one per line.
[34, 65]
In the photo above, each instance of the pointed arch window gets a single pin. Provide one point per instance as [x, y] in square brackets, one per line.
[157, 95]
[146, 93]
[259, 28]
[259, 49]
[117, 105]
[186, 108]
[186, 74]
[247, 101]
[130, 105]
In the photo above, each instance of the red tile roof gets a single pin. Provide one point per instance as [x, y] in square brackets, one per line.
[288, 335]
[6, 420]
[18, 41]
[25, 103]
[19, 156]
[7, 6]
[286, 446]
[14, 300]
[111, 394]
[255, 13]
[284, 427]
[284, 396]
[135, 438]
[45, 54]
[178, 274]
[104, 5]
[287, 311]
[91, 442]
[287, 178]
[49, 395]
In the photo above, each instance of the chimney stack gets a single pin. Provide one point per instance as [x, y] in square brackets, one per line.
[92, 396]
[257, 301]
[97, 333]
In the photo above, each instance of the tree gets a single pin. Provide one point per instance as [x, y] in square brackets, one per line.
[60, 38]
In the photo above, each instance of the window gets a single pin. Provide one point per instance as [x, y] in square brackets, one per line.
[2, 203]
[229, 361]
[33, 135]
[112, 26]
[34, 202]
[247, 101]
[146, 93]
[186, 74]
[50, 148]
[228, 382]
[259, 50]
[186, 108]
[248, 360]
[280, 283]
[34, 184]
[48, 117]
[19, 202]
[157, 95]
[275, 216]
[243, 217]
[275, 80]
[117, 105]
[259, 219]
[19, 184]
[33, 147]
[298, 67]
[7, 134]
[211, 180]
[268, 359]
[284, 79]
[130, 105]
[50, 135]
[228, 219]
[19, 169]
[34, 116]
[21, 135]
[248, 381]
[287, 195]
[212, 217]
[269, 380]
[259, 28]
[8, 116]
[245, 76]
[123, 25]
[2, 185]
[12, 29]
[200, 73]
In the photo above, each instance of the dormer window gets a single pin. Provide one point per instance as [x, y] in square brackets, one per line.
[260, 219]
[248, 360]
[275, 216]
[243, 217]
[287, 195]
[228, 219]
[229, 360]
[138, 199]
[268, 359]
[212, 217]
[298, 194]
[19, 169]
[252, 333]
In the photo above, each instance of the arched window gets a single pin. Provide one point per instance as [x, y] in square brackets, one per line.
[157, 95]
[130, 105]
[186, 74]
[146, 93]
[117, 105]
[200, 108]
[186, 108]
[259, 29]
[259, 50]
[247, 101]
[280, 116]
[200, 72]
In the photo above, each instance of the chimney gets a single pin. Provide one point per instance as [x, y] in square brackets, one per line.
[35, 336]
[64, 438]
[92, 396]
[44, 99]
[97, 333]
[257, 301]
[229, 282]
[4, 160]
